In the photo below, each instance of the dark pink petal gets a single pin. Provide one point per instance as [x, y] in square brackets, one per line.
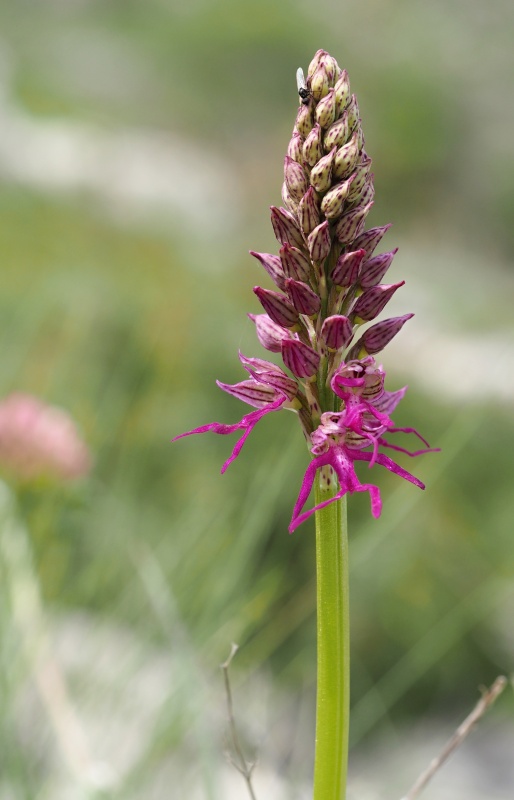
[247, 424]
[389, 464]
[348, 481]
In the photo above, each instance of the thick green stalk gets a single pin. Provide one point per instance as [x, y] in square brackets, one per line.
[333, 681]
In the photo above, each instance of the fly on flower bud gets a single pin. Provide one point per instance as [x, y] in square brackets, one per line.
[302, 86]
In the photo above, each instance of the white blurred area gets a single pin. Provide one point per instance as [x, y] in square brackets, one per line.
[147, 177]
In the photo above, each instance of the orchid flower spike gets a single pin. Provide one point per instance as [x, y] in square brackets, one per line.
[327, 286]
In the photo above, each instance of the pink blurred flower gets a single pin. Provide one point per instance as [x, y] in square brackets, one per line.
[37, 439]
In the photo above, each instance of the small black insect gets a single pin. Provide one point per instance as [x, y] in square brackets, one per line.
[302, 86]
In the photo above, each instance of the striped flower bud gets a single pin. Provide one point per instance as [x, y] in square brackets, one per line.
[314, 64]
[289, 202]
[295, 147]
[353, 112]
[351, 224]
[295, 178]
[336, 332]
[301, 359]
[342, 92]
[374, 269]
[277, 307]
[319, 242]
[373, 301]
[346, 158]
[321, 175]
[303, 298]
[333, 202]
[304, 120]
[378, 336]
[286, 228]
[369, 240]
[319, 83]
[269, 334]
[308, 211]
[294, 263]
[273, 266]
[312, 147]
[367, 193]
[347, 268]
[361, 173]
[337, 134]
[326, 110]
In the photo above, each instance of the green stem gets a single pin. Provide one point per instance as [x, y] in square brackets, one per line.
[333, 689]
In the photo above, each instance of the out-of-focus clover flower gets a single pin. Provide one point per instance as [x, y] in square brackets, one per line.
[38, 440]
[329, 285]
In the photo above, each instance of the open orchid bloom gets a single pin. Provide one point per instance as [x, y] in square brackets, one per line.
[327, 286]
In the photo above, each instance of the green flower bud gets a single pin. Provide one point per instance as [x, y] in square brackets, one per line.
[342, 92]
[312, 147]
[333, 202]
[338, 133]
[326, 110]
[346, 158]
[319, 83]
[321, 175]
[304, 120]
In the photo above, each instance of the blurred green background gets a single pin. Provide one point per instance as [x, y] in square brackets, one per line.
[141, 144]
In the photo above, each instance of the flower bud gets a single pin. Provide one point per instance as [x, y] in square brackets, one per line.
[374, 269]
[278, 308]
[353, 112]
[295, 147]
[319, 242]
[379, 335]
[360, 176]
[346, 158]
[336, 332]
[301, 359]
[337, 134]
[296, 178]
[367, 193]
[269, 334]
[333, 202]
[326, 110]
[319, 82]
[308, 211]
[273, 267]
[369, 240]
[347, 268]
[312, 147]
[342, 92]
[318, 57]
[303, 298]
[289, 202]
[351, 224]
[304, 120]
[294, 263]
[373, 301]
[286, 228]
[321, 174]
